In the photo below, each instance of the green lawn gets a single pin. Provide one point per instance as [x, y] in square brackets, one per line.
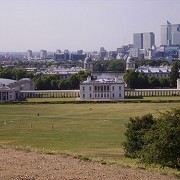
[50, 99]
[95, 130]
[75, 99]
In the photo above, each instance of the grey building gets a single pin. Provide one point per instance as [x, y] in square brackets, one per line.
[148, 40]
[170, 34]
[138, 40]
[29, 54]
[43, 54]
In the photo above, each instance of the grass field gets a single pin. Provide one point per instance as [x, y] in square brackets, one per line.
[175, 98]
[93, 130]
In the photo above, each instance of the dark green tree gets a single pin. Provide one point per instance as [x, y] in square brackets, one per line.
[174, 75]
[162, 141]
[136, 128]
[153, 82]
[131, 78]
[164, 82]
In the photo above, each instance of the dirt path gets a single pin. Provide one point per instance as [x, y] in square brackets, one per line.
[19, 165]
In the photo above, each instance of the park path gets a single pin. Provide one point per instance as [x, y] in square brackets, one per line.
[20, 165]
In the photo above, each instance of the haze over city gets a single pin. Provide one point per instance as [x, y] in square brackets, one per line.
[80, 24]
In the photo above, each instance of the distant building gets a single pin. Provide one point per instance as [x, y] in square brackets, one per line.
[130, 63]
[29, 54]
[43, 54]
[155, 71]
[102, 53]
[138, 40]
[170, 34]
[102, 89]
[134, 52]
[10, 89]
[148, 40]
[88, 64]
[143, 40]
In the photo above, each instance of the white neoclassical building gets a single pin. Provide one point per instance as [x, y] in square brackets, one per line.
[102, 89]
[10, 89]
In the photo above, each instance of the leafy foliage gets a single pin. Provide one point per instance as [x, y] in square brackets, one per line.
[54, 82]
[162, 141]
[45, 81]
[155, 141]
[109, 65]
[139, 80]
[174, 75]
[136, 129]
[15, 74]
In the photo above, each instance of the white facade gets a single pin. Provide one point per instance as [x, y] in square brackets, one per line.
[10, 89]
[178, 84]
[102, 89]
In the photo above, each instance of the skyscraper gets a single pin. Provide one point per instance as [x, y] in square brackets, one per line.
[29, 54]
[148, 40]
[43, 54]
[170, 34]
[138, 40]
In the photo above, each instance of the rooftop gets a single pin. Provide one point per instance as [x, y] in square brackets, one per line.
[104, 81]
[6, 81]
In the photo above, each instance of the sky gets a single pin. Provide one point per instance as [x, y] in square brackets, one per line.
[80, 24]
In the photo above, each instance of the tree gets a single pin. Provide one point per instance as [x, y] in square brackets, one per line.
[136, 129]
[162, 141]
[164, 82]
[155, 141]
[153, 82]
[131, 77]
[142, 81]
[174, 75]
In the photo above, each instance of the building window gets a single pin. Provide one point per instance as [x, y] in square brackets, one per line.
[101, 95]
[98, 95]
[119, 94]
[104, 88]
[113, 88]
[107, 88]
[98, 88]
[10, 96]
[105, 95]
[108, 95]
[83, 95]
[113, 95]
[83, 88]
[90, 95]
[119, 88]
[95, 88]
[101, 88]
[89, 88]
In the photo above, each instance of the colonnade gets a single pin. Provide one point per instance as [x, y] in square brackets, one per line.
[76, 93]
[51, 94]
[152, 92]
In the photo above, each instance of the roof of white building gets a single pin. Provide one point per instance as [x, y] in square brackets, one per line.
[146, 69]
[104, 81]
[6, 81]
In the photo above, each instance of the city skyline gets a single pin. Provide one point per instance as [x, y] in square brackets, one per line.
[78, 24]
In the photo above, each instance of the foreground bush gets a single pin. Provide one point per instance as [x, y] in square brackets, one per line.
[157, 142]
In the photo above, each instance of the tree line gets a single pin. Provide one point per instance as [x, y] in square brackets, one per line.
[54, 82]
[154, 140]
[139, 80]
[109, 65]
[45, 81]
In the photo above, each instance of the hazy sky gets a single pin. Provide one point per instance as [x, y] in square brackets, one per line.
[80, 24]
